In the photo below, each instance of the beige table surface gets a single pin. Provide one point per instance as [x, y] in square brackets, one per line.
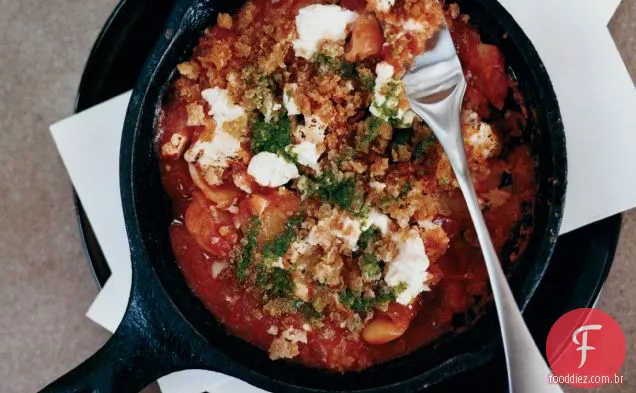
[46, 285]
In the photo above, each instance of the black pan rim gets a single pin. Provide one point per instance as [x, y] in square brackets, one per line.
[142, 114]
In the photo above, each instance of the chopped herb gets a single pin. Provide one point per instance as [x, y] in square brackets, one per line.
[363, 305]
[401, 287]
[282, 284]
[405, 189]
[262, 275]
[370, 266]
[273, 136]
[385, 295]
[422, 147]
[275, 280]
[247, 255]
[389, 109]
[372, 130]
[276, 248]
[328, 64]
[340, 192]
[368, 237]
[366, 77]
[306, 309]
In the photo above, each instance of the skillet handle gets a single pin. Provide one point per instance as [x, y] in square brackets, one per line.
[130, 360]
[153, 340]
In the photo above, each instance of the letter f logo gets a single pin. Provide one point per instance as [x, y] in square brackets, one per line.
[583, 346]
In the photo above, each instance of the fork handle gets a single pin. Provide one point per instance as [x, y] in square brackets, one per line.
[527, 369]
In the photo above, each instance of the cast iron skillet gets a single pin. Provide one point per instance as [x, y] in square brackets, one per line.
[166, 328]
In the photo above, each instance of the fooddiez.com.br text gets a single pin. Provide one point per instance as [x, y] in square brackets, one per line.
[585, 379]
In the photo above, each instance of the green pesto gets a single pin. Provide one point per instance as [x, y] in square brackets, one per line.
[368, 237]
[370, 266]
[276, 248]
[331, 64]
[307, 310]
[247, 255]
[341, 192]
[401, 287]
[275, 280]
[390, 107]
[362, 305]
[273, 137]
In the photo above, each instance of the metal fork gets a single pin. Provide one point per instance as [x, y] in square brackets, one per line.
[435, 88]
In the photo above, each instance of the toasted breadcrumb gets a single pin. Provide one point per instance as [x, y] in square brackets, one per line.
[196, 116]
[189, 69]
[174, 148]
[224, 20]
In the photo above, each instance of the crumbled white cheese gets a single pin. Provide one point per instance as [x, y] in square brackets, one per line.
[383, 73]
[221, 107]
[413, 25]
[307, 154]
[409, 268]
[273, 330]
[377, 219]
[377, 186]
[482, 140]
[271, 170]
[318, 22]
[387, 97]
[214, 155]
[384, 5]
[289, 101]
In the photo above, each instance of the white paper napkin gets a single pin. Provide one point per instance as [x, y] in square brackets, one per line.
[595, 92]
